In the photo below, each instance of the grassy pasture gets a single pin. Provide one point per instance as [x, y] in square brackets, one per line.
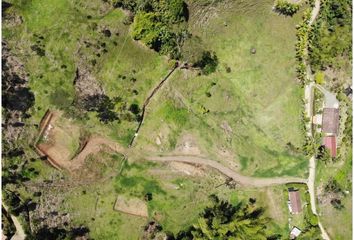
[259, 99]
[123, 67]
[177, 199]
[337, 222]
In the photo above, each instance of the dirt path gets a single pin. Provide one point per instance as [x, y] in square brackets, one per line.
[147, 101]
[20, 232]
[241, 179]
[315, 11]
[309, 111]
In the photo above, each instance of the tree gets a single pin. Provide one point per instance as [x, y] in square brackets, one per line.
[286, 8]
[225, 221]
[208, 62]
[331, 37]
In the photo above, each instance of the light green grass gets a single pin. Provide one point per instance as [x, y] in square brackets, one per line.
[64, 26]
[337, 222]
[260, 99]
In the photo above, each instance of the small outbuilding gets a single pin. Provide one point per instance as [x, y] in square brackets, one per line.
[295, 232]
[294, 201]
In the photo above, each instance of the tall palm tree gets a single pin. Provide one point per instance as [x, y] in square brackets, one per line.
[225, 221]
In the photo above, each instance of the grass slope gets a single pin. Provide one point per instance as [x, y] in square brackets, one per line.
[259, 99]
[127, 70]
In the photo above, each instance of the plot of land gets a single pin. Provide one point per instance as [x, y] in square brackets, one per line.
[131, 206]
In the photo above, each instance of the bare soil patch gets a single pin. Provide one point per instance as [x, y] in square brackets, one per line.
[60, 141]
[187, 168]
[131, 206]
[187, 145]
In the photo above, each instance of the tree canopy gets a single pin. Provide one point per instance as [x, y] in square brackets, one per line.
[286, 8]
[331, 39]
[223, 220]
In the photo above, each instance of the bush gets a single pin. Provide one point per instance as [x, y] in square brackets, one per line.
[60, 98]
[208, 62]
[286, 8]
[319, 77]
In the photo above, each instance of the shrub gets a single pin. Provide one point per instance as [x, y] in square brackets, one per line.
[286, 8]
[319, 77]
[331, 37]
[208, 62]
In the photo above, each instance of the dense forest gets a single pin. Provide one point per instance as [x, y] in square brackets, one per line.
[330, 39]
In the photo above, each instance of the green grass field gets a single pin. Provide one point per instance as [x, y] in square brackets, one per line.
[337, 222]
[61, 27]
[259, 99]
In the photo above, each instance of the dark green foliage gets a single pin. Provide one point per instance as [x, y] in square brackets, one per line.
[207, 63]
[337, 204]
[60, 98]
[332, 186]
[170, 10]
[161, 25]
[134, 108]
[47, 233]
[18, 99]
[138, 185]
[7, 225]
[103, 105]
[223, 220]
[286, 8]
[331, 37]
[156, 23]
[38, 50]
[323, 154]
[302, 32]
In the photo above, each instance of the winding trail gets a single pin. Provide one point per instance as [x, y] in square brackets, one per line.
[241, 179]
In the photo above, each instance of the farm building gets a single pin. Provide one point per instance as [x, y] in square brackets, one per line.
[295, 232]
[294, 201]
[330, 143]
[330, 121]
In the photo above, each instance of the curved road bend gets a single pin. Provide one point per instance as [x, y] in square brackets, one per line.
[243, 180]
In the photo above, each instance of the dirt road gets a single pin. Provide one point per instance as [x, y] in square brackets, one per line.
[308, 109]
[243, 180]
[20, 232]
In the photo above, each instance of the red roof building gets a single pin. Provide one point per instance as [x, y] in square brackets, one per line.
[330, 143]
[295, 201]
[330, 121]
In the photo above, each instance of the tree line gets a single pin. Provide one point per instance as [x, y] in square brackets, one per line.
[163, 26]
